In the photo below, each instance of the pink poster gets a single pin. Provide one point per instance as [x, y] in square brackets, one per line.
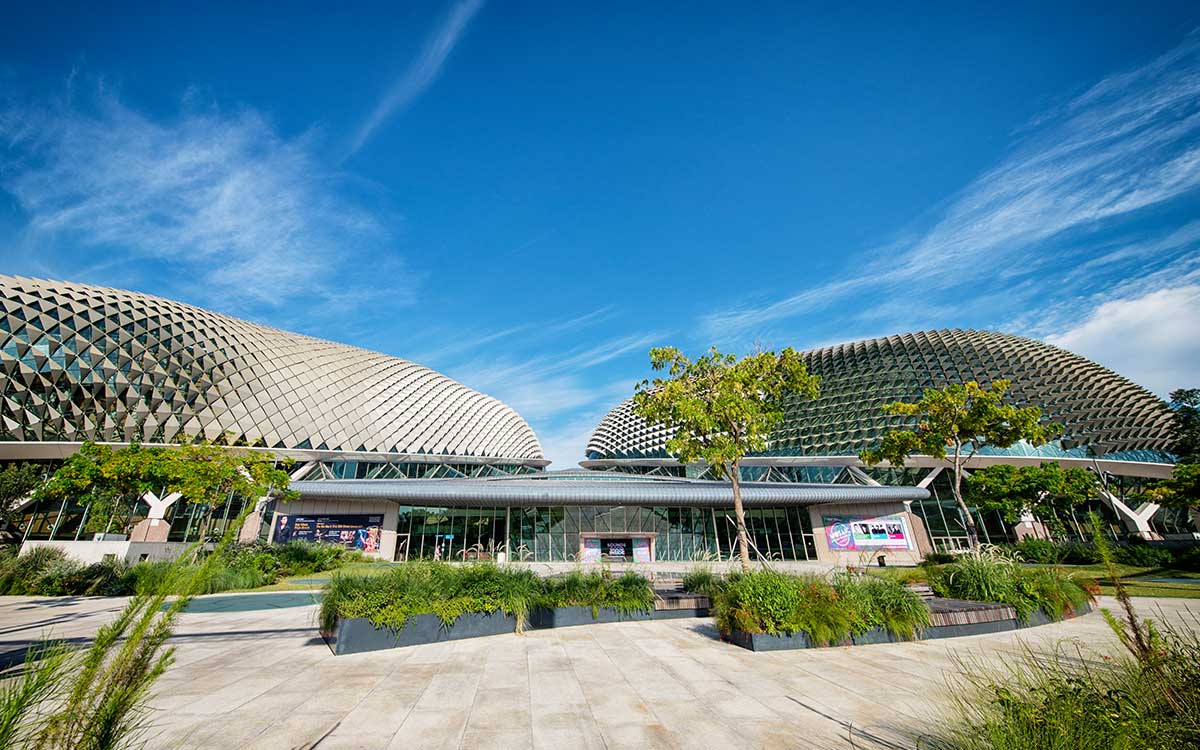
[641, 549]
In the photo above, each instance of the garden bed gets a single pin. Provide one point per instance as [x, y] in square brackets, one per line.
[355, 635]
[984, 618]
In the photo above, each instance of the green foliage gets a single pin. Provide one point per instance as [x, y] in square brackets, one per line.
[1185, 425]
[1182, 490]
[203, 473]
[702, 580]
[449, 591]
[777, 603]
[629, 593]
[1138, 555]
[991, 575]
[1078, 701]
[938, 558]
[955, 418]
[95, 698]
[881, 603]
[16, 482]
[720, 408]
[1048, 491]
[46, 571]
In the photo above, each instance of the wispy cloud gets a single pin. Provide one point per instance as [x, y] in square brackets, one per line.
[421, 74]
[1130, 143]
[242, 216]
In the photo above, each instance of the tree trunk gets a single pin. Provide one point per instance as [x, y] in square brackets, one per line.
[735, 477]
[968, 518]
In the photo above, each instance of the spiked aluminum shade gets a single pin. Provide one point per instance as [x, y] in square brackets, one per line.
[81, 362]
[1096, 406]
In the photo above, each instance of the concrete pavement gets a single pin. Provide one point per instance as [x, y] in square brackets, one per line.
[256, 675]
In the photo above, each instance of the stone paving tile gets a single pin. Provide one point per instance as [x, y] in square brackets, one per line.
[262, 679]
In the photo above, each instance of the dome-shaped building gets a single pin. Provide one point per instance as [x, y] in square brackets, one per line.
[80, 362]
[1110, 424]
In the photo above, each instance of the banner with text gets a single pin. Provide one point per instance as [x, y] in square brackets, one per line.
[853, 533]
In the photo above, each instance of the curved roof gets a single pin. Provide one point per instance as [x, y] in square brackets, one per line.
[1094, 404]
[81, 362]
[597, 488]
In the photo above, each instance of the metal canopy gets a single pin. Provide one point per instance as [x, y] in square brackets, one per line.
[576, 491]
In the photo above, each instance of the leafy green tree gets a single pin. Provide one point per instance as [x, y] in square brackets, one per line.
[16, 482]
[1182, 490]
[112, 480]
[1047, 492]
[1185, 424]
[720, 408]
[955, 423]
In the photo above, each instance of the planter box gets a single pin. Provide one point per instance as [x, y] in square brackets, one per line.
[565, 617]
[670, 614]
[356, 634]
[765, 642]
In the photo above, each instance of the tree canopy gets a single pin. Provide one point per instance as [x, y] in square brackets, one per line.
[202, 473]
[954, 423]
[1185, 424]
[720, 408]
[16, 482]
[1048, 492]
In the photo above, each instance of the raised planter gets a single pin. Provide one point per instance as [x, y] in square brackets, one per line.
[356, 635]
[958, 624]
[565, 617]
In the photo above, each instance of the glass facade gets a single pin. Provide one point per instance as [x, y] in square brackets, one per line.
[74, 521]
[554, 534]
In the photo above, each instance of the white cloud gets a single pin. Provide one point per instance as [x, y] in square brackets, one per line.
[1153, 339]
[1129, 143]
[242, 215]
[421, 74]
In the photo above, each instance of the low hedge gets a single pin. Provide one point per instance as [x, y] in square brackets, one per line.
[776, 603]
[449, 591]
[47, 571]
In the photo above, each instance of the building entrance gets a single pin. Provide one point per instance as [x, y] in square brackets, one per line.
[614, 547]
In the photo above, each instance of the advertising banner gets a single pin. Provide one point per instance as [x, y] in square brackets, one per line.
[591, 549]
[349, 531]
[853, 533]
[641, 549]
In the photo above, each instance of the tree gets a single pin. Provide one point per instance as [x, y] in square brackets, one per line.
[112, 480]
[721, 408]
[1185, 424]
[1044, 491]
[16, 482]
[1182, 490]
[960, 419]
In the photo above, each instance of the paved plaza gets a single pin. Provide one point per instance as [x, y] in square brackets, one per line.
[251, 672]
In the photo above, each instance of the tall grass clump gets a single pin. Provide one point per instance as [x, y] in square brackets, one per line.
[629, 593]
[882, 603]
[1146, 696]
[702, 580]
[95, 698]
[991, 575]
[766, 601]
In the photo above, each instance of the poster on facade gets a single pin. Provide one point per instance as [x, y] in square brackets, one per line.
[591, 549]
[349, 531]
[641, 549]
[853, 533]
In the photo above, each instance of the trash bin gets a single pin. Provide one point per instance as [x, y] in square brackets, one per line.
[882, 561]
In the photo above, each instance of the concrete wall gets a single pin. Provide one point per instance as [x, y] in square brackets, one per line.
[916, 529]
[92, 552]
[387, 533]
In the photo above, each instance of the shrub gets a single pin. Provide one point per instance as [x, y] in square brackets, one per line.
[938, 558]
[1144, 556]
[882, 603]
[1041, 551]
[389, 599]
[702, 580]
[775, 603]
[991, 576]
[1188, 558]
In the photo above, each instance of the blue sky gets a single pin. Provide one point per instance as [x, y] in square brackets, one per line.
[529, 196]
